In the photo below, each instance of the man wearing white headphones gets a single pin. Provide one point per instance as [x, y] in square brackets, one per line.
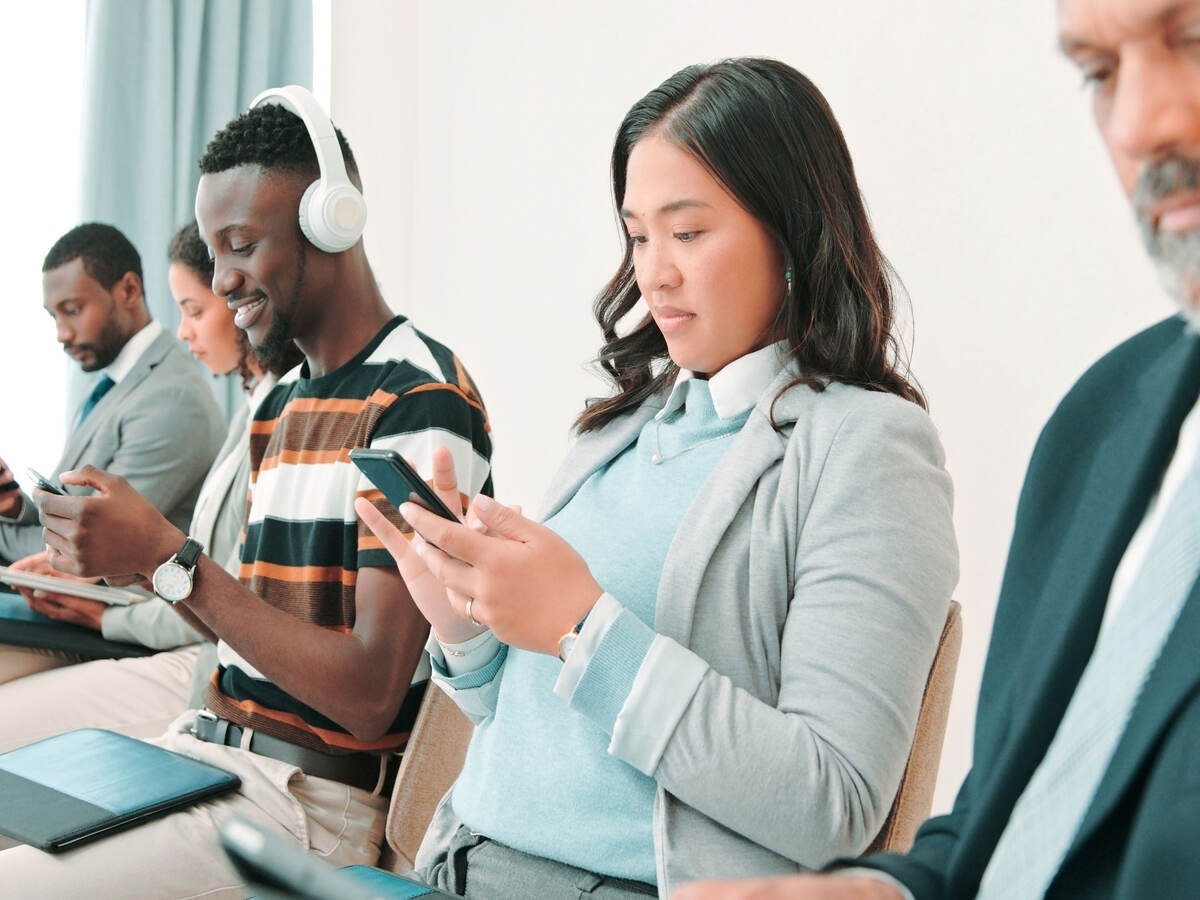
[321, 668]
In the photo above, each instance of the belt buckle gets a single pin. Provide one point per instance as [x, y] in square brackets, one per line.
[218, 731]
[205, 714]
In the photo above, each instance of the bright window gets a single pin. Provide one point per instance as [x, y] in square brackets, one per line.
[42, 70]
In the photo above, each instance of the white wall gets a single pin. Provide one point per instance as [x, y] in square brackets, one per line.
[483, 130]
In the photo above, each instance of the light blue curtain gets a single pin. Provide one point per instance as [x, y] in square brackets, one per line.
[160, 78]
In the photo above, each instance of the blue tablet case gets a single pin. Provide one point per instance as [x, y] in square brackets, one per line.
[22, 627]
[388, 886]
[278, 869]
[83, 784]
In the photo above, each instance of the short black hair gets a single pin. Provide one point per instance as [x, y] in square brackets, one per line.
[274, 138]
[106, 253]
[187, 249]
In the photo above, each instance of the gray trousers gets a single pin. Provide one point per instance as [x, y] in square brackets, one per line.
[475, 867]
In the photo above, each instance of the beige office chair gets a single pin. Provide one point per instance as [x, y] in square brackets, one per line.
[914, 799]
[439, 743]
[434, 756]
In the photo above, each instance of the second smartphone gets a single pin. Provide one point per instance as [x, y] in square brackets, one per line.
[399, 482]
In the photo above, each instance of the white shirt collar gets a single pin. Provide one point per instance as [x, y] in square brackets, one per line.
[738, 385]
[132, 351]
[259, 392]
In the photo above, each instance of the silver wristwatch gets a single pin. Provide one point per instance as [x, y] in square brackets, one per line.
[173, 579]
[567, 642]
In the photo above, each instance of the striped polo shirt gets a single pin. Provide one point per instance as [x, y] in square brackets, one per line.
[304, 543]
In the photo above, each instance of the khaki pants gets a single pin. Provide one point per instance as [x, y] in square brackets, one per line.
[17, 662]
[139, 697]
[178, 855]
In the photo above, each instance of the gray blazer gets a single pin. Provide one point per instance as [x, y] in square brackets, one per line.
[159, 428]
[798, 612]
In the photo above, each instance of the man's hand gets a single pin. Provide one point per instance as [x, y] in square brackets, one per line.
[134, 580]
[10, 492]
[116, 531]
[62, 607]
[790, 887]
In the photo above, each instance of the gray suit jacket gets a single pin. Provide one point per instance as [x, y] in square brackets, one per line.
[160, 428]
[798, 612]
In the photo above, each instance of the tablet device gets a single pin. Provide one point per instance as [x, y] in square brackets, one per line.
[102, 592]
[22, 627]
[399, 482]
[80, 785]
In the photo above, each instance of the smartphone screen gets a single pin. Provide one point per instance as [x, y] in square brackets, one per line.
[45, 483]
[399, 482]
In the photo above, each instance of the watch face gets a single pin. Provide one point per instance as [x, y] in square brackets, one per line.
[566, 644]
[172, 582]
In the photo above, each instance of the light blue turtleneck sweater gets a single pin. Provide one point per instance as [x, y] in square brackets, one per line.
[538, 776]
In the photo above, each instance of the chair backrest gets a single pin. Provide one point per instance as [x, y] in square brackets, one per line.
[914, 798]
[439, 739]
[432, 761]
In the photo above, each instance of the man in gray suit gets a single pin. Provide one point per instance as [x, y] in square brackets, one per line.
[150, 417]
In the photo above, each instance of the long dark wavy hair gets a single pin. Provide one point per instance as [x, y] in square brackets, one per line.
[768, 136]
[188, 249]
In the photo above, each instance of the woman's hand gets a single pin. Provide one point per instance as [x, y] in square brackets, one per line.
[530, 589]
[449, 625]
[39, 564]
[63, 607]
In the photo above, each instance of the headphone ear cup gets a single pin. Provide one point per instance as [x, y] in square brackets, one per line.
[306, 204]
[332, 217]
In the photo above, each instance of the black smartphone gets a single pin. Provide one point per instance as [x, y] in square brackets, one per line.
[399, 482]
[45, 483]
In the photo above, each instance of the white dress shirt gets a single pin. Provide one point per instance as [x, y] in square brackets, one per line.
[132, 351]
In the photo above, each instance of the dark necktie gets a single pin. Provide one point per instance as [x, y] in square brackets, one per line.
[103, 386]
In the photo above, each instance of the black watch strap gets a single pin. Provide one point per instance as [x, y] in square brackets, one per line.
[189, 553]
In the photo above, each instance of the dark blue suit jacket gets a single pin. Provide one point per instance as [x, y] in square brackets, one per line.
[1096, 466]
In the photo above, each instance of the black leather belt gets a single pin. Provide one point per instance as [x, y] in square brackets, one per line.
[360, 770]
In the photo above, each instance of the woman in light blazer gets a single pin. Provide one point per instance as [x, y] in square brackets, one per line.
[708, 659]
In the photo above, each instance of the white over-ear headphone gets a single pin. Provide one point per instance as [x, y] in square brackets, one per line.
[332, 210]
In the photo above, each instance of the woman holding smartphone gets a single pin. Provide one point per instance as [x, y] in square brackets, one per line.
[707, 660]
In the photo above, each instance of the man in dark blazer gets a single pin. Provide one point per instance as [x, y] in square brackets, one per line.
[153, 418]
[1117, 454]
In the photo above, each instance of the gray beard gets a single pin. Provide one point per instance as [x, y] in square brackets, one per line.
[1178, 265]
[1175, 256]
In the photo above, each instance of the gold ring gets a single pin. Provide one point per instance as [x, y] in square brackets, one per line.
[474, 621]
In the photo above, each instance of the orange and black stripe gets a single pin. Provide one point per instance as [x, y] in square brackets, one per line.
[307, 564]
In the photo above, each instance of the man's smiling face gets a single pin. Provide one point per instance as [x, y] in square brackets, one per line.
[247, 217]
